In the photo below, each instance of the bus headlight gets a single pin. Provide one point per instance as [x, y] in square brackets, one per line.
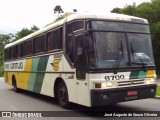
[150, 80]
[109, 84]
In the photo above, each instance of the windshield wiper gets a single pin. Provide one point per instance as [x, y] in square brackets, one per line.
[140, 59]
[118, 59]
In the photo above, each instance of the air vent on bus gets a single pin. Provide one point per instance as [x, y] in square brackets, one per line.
[131, 82]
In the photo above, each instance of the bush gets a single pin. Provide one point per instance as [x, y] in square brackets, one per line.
[158, 91]
[1, 71]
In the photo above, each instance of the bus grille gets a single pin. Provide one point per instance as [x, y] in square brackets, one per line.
[133, 82]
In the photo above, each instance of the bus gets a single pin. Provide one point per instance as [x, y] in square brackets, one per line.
[87, 59]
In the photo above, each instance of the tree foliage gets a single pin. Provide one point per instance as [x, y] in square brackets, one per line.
[4, 39]
[58, 9]
[116, 10]
[129, 9]
[25, 31]
[151, 12]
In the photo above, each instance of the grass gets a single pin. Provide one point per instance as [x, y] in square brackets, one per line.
[158, 91]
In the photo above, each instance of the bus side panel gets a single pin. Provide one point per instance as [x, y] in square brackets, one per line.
[37, 74]
[8, 79]
[6, 76]
[23, 77]
[32, 77]
[58, 67]
[54, 70]
[47, 88]
[41, 69]
[70, 79]
[49, 78]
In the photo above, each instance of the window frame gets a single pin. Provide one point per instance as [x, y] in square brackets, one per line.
[69, 38]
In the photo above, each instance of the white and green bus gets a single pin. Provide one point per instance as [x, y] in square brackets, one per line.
[88, 59]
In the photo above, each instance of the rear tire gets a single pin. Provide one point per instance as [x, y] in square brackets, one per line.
[15, 85]
[62, 95]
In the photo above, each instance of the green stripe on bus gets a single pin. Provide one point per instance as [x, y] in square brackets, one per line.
[40, 76]
[142, 74]
[138, 74]
[32, 78]
[134, 75]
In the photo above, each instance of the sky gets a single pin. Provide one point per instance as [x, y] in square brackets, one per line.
[18, 14]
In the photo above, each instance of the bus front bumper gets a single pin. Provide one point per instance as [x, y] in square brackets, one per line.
[110, 96]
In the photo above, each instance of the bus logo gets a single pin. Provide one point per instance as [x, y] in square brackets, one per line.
[56, 64]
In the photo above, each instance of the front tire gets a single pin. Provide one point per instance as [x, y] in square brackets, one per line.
[62, 94]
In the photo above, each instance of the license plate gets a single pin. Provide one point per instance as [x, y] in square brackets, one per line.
[132, 93]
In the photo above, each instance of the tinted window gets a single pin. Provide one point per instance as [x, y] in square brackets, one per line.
[74, 26]
[70, 28]
[18, 50]
[28, 47]
[40, 44]
[12, 52]
[7, 53]
[55, 39]
[118, 26]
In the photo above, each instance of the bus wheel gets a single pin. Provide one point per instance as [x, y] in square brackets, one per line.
[62, 95]
[15, 85]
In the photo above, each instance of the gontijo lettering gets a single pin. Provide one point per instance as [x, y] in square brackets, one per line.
[15, 65]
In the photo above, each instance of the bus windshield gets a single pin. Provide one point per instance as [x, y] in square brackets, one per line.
[116, 49]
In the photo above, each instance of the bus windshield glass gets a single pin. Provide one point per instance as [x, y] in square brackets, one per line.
[116, 49]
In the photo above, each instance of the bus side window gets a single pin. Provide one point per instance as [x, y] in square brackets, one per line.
[70, 49]
[7, 54]
[16, 50]
[12, 52]
[39, 44]
[70, 28]
[54, 39]
[28, 47]
[19, 51]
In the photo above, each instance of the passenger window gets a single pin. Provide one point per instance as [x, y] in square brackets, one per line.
[55, 39]
[39, 44]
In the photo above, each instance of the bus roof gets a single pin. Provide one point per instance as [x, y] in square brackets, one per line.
[76, 16]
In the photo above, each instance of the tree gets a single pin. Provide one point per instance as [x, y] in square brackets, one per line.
[25, 31]
[145, 10]
[129, 9]
[58, 9]
[34, 28]
[6, 38]
[149, 11]
[74, 10]
[116, 10]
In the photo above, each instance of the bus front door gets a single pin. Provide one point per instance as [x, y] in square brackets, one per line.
[81, 78]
